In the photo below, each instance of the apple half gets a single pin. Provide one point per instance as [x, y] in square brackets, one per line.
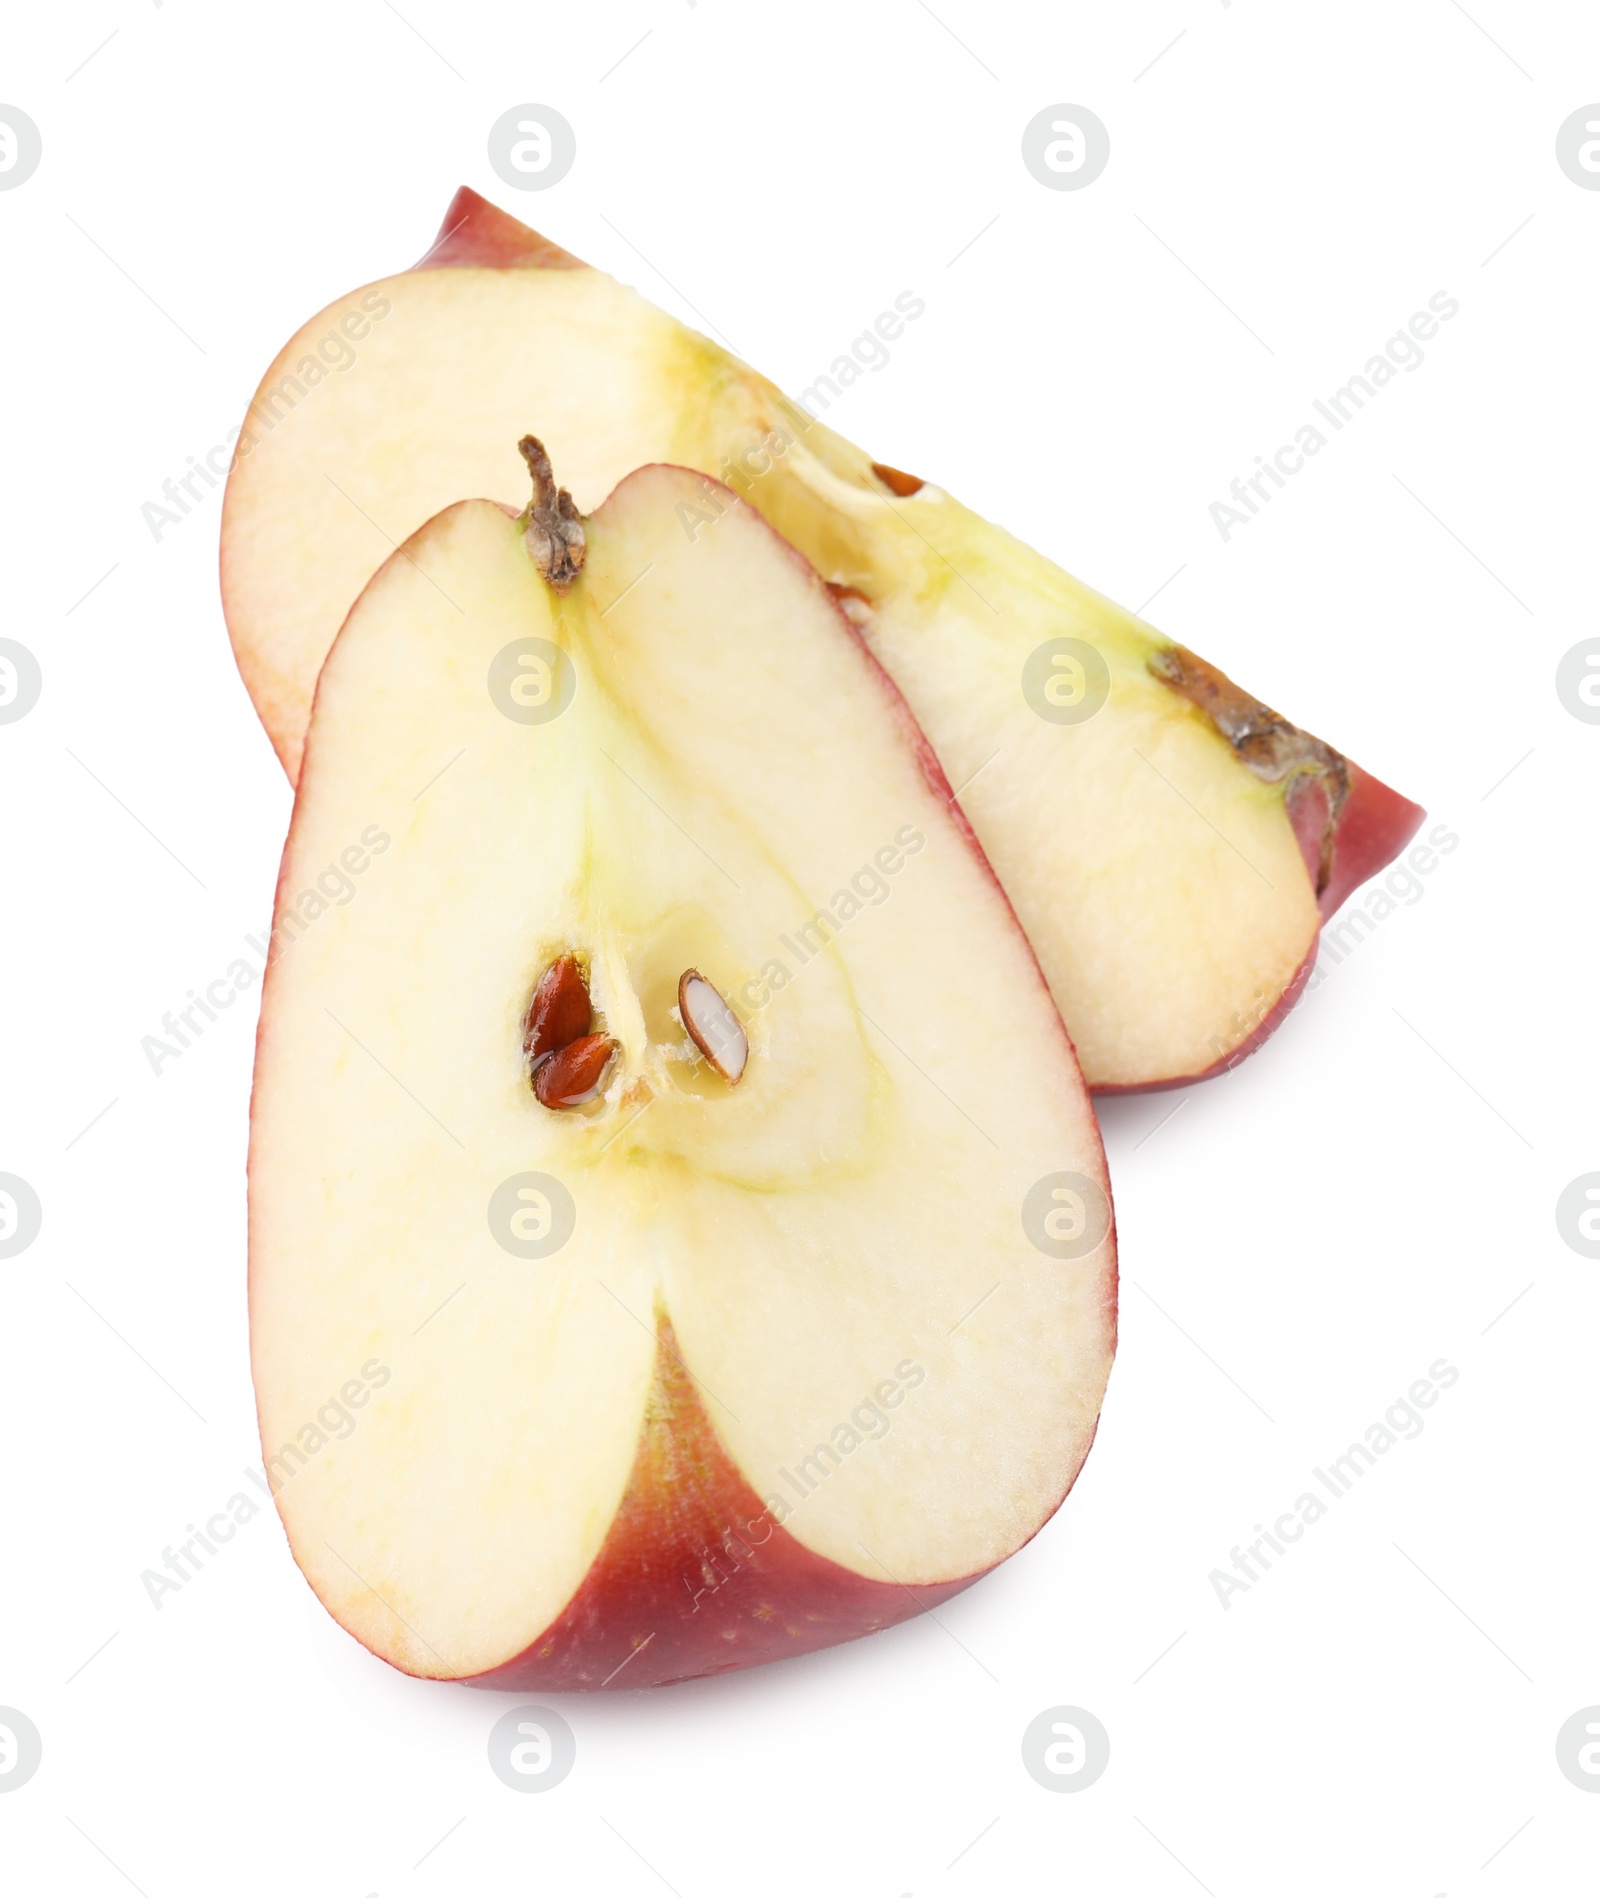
[679, 1232]
[1170, 844]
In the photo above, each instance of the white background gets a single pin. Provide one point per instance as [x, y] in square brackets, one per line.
[1300, 1241]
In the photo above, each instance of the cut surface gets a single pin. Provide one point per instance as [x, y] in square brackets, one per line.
[833, 1252]
[1159, 875]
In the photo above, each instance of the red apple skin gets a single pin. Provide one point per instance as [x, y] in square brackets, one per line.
[1375, 825]
[476, 232]
[695, 1576]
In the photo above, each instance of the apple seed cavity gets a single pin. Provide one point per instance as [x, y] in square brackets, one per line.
[712, 1025]
[551, 529]
[572, 1076]
[559, 1012]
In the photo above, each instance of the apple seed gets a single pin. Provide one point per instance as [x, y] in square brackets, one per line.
[570, 1078]
[559, 1011]
[712, 1025]
[896, 480]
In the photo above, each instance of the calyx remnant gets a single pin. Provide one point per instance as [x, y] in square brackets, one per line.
[1263, 740]
[552, 530]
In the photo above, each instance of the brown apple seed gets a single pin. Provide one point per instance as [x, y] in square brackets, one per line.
[559, 1011]
[570, 1078]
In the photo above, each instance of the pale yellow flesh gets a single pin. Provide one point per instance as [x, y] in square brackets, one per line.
[1159, 881]
[729, 763]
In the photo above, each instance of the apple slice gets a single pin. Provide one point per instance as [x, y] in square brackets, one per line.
[1170, 844]
[803, 1320]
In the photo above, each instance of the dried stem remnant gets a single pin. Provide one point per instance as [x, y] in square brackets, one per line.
[1263, 740]
[552, 530]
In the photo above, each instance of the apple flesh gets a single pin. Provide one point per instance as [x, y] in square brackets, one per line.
[1171, 872]
[794, 1368]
